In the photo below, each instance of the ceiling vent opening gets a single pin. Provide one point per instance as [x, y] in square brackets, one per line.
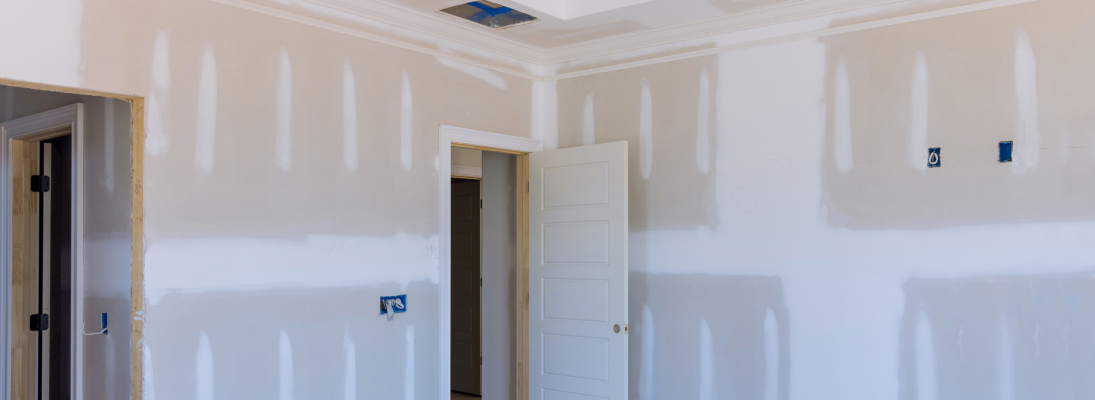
[491, 15]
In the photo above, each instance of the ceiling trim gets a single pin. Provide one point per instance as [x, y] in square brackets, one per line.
[986, 5]
[363, 34]
[534, 63]
[741, 21]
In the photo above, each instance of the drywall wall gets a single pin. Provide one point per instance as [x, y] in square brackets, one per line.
[789, 242]
[788, 171]
[467, 163]
[107, 230]
[467, 157]
[290, 180]
[499, 261]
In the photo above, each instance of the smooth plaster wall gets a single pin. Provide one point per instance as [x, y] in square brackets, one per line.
[107, 167]
[788, 241]
[290, 180]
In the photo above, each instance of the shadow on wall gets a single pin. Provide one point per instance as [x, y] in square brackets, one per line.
[998, 338]
[1021, 75]
[708, 337]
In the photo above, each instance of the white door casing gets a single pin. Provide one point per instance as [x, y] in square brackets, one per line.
[578, 273]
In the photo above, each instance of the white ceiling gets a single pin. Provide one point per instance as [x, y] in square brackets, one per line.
[551, 32]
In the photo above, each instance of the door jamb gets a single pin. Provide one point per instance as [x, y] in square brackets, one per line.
[449, 137]
[137, 295]
[38, 127]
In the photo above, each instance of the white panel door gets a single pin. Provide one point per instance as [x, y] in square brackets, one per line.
[578, 273]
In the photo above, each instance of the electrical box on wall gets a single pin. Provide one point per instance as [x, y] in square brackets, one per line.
[391, 305]
[1005, 151]
[935, 159]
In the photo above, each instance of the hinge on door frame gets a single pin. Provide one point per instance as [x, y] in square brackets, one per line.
[480, 203]
[39, 183]
[39, 322]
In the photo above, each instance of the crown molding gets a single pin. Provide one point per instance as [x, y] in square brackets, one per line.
[651, 59]
[467, 43]
[741, 21]
[397, 36]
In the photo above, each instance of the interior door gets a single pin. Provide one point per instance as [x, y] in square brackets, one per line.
[578, 273]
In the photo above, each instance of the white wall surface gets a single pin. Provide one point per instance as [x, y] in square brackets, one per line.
[290, 180]
[788, 241]
[785, 243]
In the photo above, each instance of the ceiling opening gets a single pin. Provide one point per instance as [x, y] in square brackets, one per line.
[491, 15]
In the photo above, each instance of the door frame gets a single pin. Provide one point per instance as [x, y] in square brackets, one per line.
[67, 120]
[137, 296]
[449, 137]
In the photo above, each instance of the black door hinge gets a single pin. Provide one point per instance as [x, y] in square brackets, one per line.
[39, 183]
[39, 322]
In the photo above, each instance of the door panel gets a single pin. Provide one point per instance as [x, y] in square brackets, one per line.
[578, 273]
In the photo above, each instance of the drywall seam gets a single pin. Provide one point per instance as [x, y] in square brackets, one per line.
[791, 38]
[283, 142]
[159, 122]
[917, 137]
[406, 124]
[349, 117]
[205, 139]
[349, 388]
[589, 134]
[370, 36]
[646, 130]
[842, 119]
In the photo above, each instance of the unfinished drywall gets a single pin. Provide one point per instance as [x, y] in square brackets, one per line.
[499, 266]
[290, 180]
[789, 242]
[467, 163]
[107, 230]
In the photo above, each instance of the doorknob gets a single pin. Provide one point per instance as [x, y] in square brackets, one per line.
[616, 328]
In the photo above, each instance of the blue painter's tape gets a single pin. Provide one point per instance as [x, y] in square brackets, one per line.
[935, 159]
[1006, 151]
[400, 305]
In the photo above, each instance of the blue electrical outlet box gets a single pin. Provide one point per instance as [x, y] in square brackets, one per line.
[934, 158]
[1005, 151]
[104, 323]
[397, 304]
